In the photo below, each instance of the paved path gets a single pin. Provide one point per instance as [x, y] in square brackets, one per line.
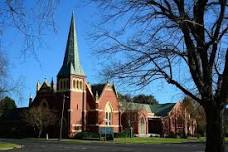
[56, 146]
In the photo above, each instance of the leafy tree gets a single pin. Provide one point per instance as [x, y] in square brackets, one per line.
[7, 104]
[124, 98]
[157, 38]
[40, 118]
[141, 98]
[147, 99]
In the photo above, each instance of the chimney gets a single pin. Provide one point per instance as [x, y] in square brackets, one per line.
[30, 101]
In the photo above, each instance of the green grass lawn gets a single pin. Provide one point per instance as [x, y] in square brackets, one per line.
[153, 140]
[138, 140]
[6, 146]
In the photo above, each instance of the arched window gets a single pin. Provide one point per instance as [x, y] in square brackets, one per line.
[80, 84]
[77, 84]
[43, 103]
[142, 126]
[108, 114]
[74, 84]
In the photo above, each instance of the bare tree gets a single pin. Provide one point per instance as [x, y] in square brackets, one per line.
[40, 118]
[3, 75]
[28, 20]
[182, 42]
[196, 111]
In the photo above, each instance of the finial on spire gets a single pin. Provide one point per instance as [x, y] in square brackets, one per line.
[38, 86]
[72, 20]
[97, 95]
[72, 13]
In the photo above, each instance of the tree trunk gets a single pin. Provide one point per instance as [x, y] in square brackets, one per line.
[40, 133]
[214, 129]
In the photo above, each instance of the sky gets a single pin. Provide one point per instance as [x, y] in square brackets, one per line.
[29, 69]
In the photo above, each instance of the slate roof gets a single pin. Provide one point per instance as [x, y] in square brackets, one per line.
[137, 106]
[162, 109]
[97, 89]
[158, 109]
[71, 62]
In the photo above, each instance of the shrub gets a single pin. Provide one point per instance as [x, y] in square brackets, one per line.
[86, 135]
[124, 133]
[172, 135]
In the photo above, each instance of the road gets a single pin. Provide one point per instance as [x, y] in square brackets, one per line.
[56, 146]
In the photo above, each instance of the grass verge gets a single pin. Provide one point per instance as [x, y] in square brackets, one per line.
[138, 140]
[152, 140]
[7, 146]
[157, 140]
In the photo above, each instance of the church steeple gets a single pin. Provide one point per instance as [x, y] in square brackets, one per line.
[71, 62]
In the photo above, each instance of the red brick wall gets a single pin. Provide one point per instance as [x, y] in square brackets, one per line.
[108, 96]
[135, 117]
[80, 101]
[77, 97]
[177, 122]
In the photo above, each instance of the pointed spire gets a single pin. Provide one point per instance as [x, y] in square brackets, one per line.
[52, 83]
[38, 86]
[97, 96]
[71, 62]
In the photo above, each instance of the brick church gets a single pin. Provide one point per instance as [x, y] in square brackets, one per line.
[86, 107]
[90, 108]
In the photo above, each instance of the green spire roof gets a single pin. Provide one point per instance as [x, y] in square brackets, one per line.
[71, 62]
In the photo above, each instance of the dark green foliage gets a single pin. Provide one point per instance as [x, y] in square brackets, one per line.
[108, 137]
[87, 135]
[13, 126]
[7, 104]
[124, 98]
[124, 133]
[172, 135]
[15, 130]
[141, 98]
[147, 99]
